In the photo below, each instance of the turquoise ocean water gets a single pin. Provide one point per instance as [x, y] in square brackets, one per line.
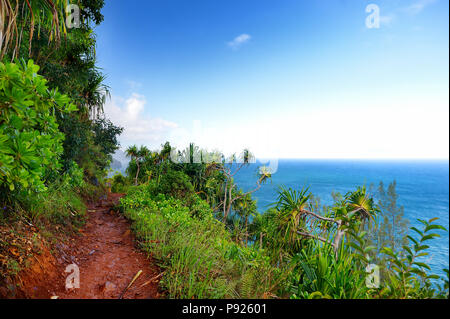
[422, 186]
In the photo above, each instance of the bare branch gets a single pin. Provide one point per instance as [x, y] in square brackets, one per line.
[249, 192]
[307, 212]
[309, 235]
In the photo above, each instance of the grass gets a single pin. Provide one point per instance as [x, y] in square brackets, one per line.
[37, 219]
[197, 254]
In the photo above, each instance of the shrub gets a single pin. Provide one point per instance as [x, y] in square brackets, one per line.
[320, 275]
[175, 184]
[119, 183]
[59, 203]
[407, 274]
[30, 142]
[73, 177]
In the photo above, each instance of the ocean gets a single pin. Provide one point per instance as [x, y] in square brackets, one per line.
[422, 186]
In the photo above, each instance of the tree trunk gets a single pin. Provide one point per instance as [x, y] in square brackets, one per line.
[338, 238]
[246, 231]
[137, 174]
[225, 202]
[230, 202]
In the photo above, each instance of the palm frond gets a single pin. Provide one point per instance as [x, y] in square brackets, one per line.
[15, 16]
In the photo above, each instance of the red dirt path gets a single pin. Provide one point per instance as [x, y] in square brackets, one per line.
[107, 259]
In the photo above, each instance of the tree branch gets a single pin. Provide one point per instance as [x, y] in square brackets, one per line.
[249, 192]
[308, 235]
[332, 220]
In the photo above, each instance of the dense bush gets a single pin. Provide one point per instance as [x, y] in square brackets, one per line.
[30, 142]
[74, 176]
[119, 183]
[175, 184]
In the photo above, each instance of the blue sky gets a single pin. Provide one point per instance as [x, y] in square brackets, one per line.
[286, 78]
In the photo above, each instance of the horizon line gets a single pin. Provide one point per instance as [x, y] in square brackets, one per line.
[360, 158]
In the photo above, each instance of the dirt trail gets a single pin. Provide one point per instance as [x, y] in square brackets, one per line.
[107, 259]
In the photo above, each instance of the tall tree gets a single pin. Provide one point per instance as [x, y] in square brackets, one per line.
[229, 169]
[392, 228]
[296, 219]
[138, 155]
[245, 208]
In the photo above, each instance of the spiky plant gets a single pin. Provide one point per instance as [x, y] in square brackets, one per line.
[20, 14]
[359, 202]
[291, 205]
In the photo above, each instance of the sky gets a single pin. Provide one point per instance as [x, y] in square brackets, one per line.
[284, 78]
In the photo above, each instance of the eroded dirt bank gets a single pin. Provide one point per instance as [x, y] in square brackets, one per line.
[107, 259]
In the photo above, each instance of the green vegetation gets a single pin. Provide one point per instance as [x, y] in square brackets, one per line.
[195, 249]
[186, 209]
[408, 277]
[297, 249]
[119, 183]
[55, 143]
[30, 142]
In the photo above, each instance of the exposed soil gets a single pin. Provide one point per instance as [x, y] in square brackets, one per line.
[107, 258]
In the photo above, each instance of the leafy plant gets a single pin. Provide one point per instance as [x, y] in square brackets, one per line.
[321, 275]
[291, 207]
[407, 276]
[30, 142]
[119, 183]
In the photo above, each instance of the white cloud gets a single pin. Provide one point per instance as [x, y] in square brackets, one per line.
[418, 6]
[139, 127]
[239, 41]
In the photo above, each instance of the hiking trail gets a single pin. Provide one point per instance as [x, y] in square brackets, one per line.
[107, 259]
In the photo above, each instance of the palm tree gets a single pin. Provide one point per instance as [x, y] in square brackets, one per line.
[142, 153]
[360, 203]
[15, 15]
[264, 173]
[291, 207]
[132, 152]
[138, 155]
[95, 94]
[356, 205]
[247, 157]
[294, 211]
[245, 208]
[165, 151]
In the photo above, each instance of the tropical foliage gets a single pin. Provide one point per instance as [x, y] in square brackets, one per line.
[55, 142]
[186, 208]
[30, 142]
[296, 249]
